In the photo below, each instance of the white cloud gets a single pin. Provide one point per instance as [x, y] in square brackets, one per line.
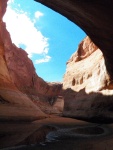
[38, 14]
[10, 1]
[46, 59]
[23, 31]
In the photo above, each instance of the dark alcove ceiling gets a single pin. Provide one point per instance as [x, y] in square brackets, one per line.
[95, 17]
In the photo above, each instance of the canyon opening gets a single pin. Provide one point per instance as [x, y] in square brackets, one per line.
[76, 113]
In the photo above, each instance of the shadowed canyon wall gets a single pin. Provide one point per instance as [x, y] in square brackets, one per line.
[20, 86]
[87, 85]
[88, 78]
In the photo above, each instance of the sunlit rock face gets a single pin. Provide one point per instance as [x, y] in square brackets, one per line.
[14, 105]
[94, 17]
[88, 90]
[23, 75]
[88, 79]
[20, 86]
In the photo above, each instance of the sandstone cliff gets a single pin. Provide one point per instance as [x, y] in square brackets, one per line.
[14, 105]
[88, 88]
[22, 71]
[87, 85]
[20, 86]
[87, 79]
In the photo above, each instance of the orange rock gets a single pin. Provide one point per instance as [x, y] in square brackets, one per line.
[20, 86]
[87, 84]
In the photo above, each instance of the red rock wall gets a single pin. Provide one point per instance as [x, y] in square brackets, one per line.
[5, 80]
[87, 85]
[19, 83]
[22, 71]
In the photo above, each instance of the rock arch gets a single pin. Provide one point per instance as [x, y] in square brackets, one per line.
[94, 17]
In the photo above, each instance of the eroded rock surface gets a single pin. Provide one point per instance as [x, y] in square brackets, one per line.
[87, 84]
[89, 74]
[20, 86]
[88, 79]
[23, 75]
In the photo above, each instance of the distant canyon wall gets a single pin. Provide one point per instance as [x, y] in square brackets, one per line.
[87, 85]
[89, 75]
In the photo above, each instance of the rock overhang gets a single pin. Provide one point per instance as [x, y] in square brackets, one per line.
[94, 17]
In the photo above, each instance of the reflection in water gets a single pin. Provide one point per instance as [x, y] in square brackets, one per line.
[14, 134]
[29, 136]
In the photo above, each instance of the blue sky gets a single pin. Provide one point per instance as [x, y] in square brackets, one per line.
[49, 38]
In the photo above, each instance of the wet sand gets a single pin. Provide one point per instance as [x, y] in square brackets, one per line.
[56, 133]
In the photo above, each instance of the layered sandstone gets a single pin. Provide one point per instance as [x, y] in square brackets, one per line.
[89, 75]
[87, 84]
[20, 86]
[22, 71]
[24, 77]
